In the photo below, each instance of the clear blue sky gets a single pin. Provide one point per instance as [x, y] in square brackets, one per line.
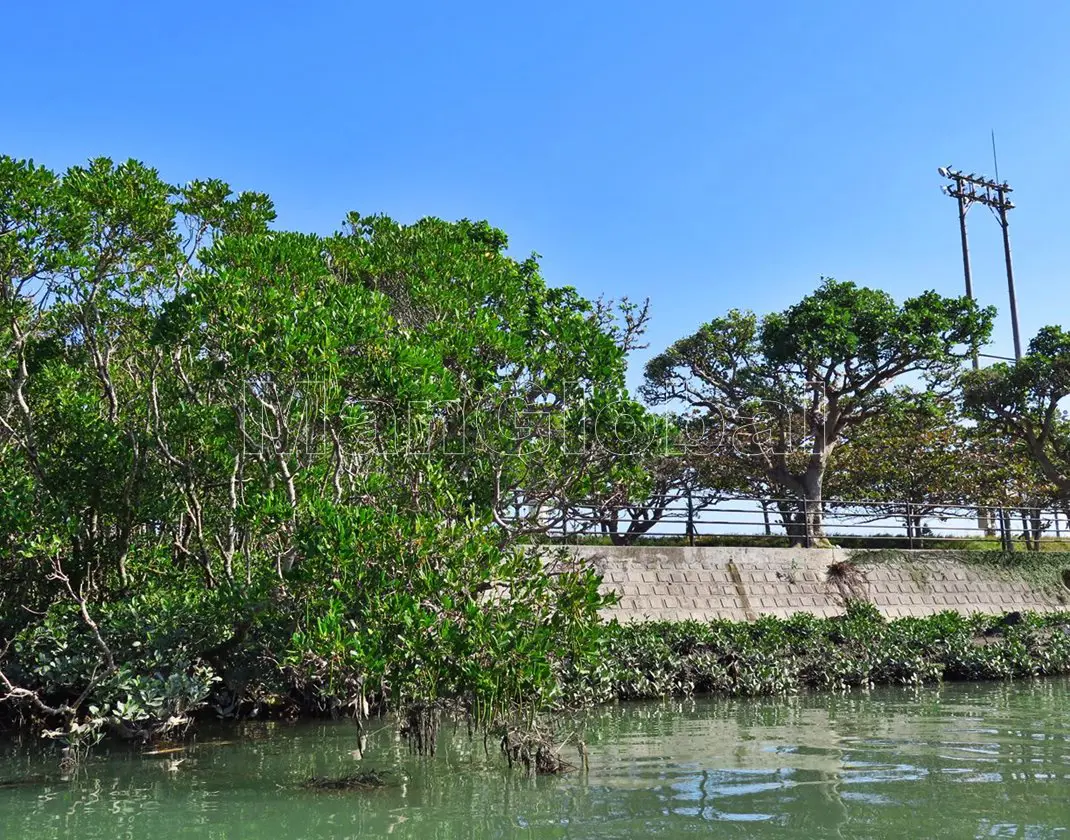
[708, 155]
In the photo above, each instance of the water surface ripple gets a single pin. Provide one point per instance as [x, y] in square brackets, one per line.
[956, 761]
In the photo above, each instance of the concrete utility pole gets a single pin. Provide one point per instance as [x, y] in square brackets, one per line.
[976, 189]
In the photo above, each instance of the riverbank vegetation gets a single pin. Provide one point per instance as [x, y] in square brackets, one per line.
[779, 656]
[253, 472]
[247, 471]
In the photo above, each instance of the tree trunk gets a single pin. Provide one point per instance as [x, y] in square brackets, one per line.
[915, 527]
[814, 509]
[804, 520]
[1032, 529]
[1005, 529]
[791, 515]
[985, 521]
[690, 518]
[609, 523]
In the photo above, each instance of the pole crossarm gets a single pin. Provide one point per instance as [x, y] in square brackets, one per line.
[976, 189]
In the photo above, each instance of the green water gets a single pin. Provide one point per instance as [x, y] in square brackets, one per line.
[957, 761]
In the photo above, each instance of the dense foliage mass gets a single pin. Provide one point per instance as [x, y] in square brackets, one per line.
[243, 467]
[849, 403]
[779, 656]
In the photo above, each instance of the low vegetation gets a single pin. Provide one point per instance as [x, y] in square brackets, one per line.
[780, 656]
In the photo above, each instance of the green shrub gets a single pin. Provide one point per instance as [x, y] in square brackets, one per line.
[777, 656]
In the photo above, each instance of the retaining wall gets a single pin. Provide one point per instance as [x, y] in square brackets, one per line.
[680, 583]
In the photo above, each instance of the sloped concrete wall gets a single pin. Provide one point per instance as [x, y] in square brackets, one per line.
[680, 583]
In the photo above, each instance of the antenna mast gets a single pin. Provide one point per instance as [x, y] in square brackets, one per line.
[995, 160]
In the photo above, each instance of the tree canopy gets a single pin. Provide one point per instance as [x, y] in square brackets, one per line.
[778, 393]
[314, 453]
[1026, 401]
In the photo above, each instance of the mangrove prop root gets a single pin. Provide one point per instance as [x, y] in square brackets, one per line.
[420, 729]
[535, 751]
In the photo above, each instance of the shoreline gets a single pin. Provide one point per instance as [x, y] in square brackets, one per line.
[644, 661]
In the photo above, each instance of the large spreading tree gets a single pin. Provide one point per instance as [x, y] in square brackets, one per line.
[778, 393]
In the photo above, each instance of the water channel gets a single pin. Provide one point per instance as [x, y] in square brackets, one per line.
[967, 760]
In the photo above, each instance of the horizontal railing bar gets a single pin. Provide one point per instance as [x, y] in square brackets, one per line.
[705, 516]
[921, 507]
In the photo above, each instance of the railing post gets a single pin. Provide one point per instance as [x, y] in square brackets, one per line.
[910, 525]
[1005, 536]
[690, 519]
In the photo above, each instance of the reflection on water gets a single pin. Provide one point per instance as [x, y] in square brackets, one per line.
[956, 761]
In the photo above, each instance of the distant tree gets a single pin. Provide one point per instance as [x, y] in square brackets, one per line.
[911, 462]
[1025, 402]
[1004, 479]
[782, 391]
[679, 482]
[626, 510]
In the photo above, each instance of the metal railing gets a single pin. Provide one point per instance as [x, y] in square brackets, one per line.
[696, 519]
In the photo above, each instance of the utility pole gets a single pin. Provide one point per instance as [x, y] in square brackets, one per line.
[963, 207]
[976, 189]
[1004, 206]
[968, 190]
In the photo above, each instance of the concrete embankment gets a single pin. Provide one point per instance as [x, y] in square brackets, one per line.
[704, 583]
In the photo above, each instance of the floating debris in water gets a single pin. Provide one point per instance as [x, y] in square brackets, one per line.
[370, 780]
[29, 781]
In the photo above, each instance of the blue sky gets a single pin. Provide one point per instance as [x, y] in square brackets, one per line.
[708, 155]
